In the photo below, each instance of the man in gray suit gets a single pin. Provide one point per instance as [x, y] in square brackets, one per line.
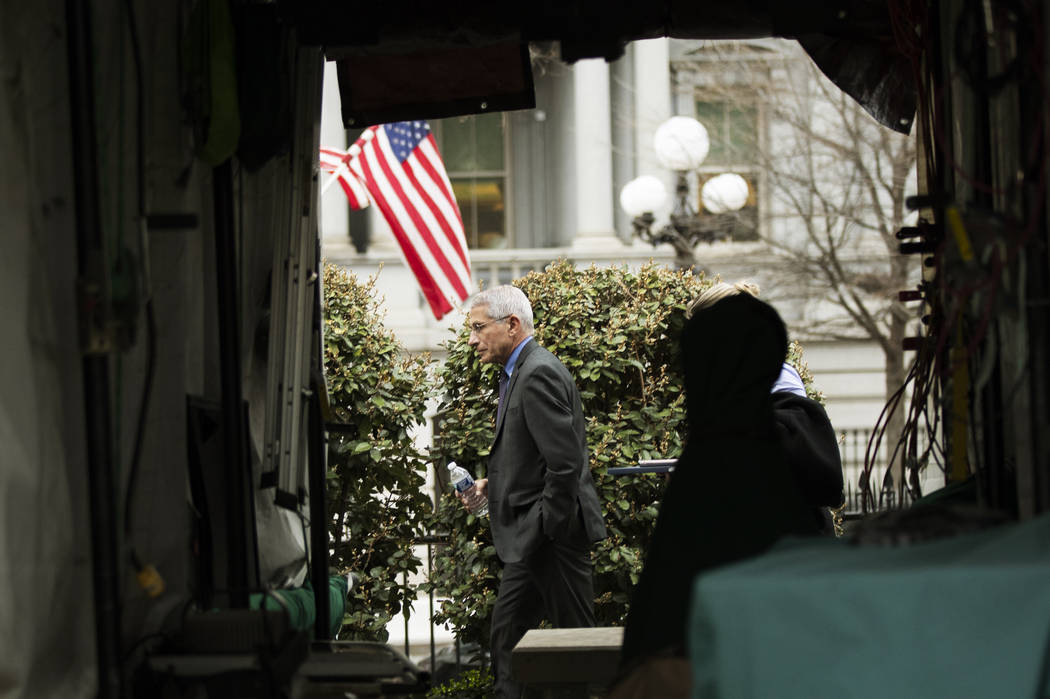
[543, 508]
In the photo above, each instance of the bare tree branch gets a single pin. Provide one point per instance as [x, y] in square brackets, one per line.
[837, 183]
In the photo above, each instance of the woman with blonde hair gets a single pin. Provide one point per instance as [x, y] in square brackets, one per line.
[803, 426]
[789, 379]
[758, 464]
[718, 291]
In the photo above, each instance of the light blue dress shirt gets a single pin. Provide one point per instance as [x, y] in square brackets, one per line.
[513, 359]
[789, 381]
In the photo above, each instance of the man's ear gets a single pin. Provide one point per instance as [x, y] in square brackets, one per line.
[513, 323]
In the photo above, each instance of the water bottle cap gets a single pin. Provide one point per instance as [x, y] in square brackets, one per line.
[451, 465]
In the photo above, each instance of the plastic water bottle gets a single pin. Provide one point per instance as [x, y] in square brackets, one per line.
[463, 482]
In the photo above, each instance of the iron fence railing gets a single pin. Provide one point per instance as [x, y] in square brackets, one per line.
[431, 541]
[853, 446]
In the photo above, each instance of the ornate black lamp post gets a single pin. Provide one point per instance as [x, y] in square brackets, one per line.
[681, 144]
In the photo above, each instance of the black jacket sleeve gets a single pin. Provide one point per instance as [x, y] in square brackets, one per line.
[808, 439]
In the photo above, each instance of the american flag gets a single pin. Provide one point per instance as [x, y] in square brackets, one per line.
[335, 161]
[400, 165]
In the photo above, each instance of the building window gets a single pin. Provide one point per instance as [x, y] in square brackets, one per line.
[732, 128]
[474, 149]
[733, 131]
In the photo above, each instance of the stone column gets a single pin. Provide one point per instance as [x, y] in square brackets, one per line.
[621, 92]
[652, 107]
[334, 209]
[652, 103]
[593, 146]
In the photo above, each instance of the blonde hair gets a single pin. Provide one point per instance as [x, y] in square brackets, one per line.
[718, 291]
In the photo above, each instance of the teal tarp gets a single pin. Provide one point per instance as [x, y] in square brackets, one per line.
[962, 617]
[299, 602]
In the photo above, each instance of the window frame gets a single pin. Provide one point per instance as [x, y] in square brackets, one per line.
[438, 127]
[753, 172]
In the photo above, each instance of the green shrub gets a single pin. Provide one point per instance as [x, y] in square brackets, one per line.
[795, 359]
[472, 684]
[375, 503]
[617, 332]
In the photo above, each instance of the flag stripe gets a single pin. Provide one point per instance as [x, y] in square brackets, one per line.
[351, 192]
[435, 297]
[446, 234]
[400, 167]
[421, 240]
[356, 192]
[432, 161]
[331, 159]
[419, 191]
[404, 228]
[422, 175]
[417, 212]
[451, 221]
[359, 200]
[336, 163]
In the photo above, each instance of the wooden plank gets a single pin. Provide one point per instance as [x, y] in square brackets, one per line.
[567, 656]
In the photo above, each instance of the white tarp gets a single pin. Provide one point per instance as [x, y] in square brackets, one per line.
[47, 625]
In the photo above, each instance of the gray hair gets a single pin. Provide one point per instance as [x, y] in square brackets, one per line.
[718, 291]
[502, 301]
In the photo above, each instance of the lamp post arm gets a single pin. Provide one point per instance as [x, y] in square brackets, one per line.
[684, 256]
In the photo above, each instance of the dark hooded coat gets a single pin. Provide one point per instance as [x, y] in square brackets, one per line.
[809, 442]
[734, 490]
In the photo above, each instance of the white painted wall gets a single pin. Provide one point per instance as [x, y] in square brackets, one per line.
[851, 375]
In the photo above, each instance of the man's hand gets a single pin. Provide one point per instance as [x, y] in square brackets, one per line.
[476, 492]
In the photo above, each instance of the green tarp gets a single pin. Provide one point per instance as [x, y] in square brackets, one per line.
[961, 617]
[299, 602]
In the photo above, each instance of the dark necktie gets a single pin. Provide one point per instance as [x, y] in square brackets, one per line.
[504, 379]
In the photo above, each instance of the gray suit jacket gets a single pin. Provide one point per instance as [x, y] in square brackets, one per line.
[539, 473]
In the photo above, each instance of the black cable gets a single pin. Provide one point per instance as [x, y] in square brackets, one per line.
[140, 109]
[140, 428]
[151, 322]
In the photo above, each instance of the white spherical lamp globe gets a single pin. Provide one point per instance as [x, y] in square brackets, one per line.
[642, 194]
[681, 143]
[725, 192]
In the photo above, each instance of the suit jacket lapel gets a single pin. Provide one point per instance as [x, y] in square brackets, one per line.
[525, 351]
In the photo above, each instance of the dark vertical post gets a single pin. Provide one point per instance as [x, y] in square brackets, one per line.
[238, 481]
[404, 581]
[317, 468]
[430, 567]
[93, 300]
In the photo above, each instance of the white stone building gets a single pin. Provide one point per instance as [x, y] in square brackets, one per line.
[535, 185]
[541, 184]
